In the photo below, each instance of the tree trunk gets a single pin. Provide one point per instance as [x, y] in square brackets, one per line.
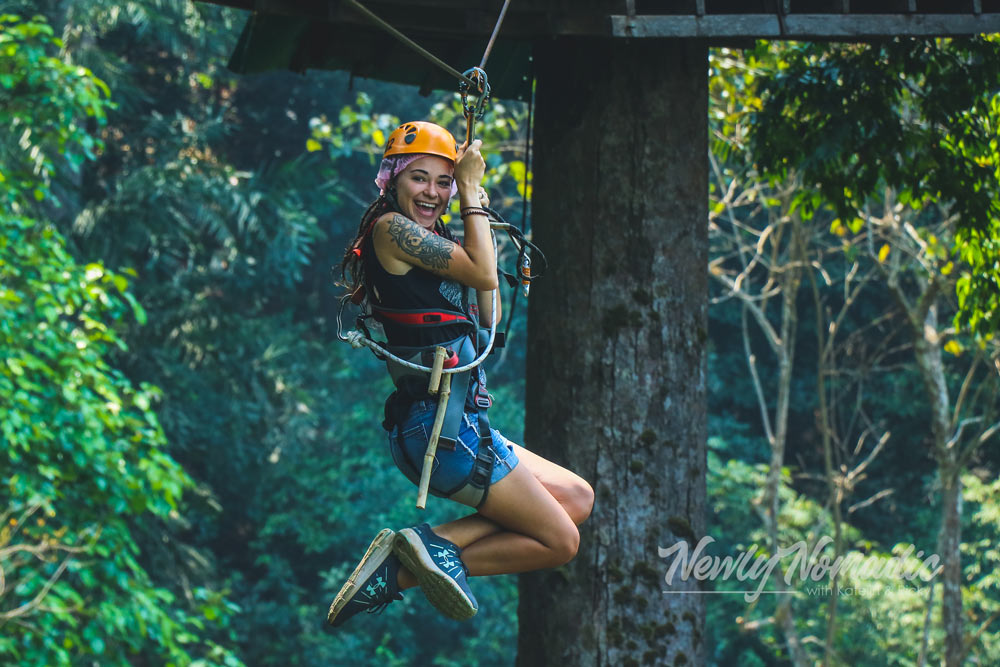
[951, 556]
[789, 279]
[927, 350]
[616, 343]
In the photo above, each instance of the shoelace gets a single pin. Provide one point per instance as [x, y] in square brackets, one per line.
[380, 607]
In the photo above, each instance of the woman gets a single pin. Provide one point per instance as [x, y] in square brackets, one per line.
[405, 261]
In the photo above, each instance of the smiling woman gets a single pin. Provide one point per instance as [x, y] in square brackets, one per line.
[425, 180]
[424, 188]
[418, 282]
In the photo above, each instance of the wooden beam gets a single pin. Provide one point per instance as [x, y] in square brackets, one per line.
[444, 18]
[475, 23]
[806, 25]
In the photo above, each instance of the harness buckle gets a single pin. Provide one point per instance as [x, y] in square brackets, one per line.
[483, 400]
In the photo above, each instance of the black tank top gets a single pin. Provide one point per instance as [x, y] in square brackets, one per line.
[416, 289]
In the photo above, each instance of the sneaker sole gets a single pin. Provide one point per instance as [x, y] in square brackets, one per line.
[380, 547]
[440, 590]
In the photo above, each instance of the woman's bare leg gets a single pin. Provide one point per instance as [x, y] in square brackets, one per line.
[568, 488]
[527, 524]
[520, 527]
[537, 532]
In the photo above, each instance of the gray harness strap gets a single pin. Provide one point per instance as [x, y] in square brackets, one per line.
[466, 352]
[474, 489]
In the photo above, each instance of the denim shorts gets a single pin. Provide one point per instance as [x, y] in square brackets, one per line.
[408, 443]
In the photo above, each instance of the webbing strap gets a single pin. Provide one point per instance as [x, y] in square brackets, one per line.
[419, 317]
[482, 469]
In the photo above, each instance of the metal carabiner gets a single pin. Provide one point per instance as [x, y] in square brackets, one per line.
[474, 111]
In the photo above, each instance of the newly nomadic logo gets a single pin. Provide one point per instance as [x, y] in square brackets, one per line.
[753, 570]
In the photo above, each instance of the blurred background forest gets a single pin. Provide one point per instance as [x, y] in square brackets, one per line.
[192, 462]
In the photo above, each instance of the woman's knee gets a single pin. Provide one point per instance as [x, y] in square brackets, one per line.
[564, 545]
[579, 501]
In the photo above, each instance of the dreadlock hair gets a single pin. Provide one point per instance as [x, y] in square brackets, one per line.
[351, 267]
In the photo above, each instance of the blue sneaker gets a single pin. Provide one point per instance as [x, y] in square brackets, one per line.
[372, 585]
[437, 565]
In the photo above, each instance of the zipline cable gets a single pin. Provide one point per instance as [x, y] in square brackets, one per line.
[493, 37]
[377, 20]
[481, 85]
[424, 53]
[471, 80]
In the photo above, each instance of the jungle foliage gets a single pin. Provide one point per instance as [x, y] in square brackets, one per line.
[192, 462]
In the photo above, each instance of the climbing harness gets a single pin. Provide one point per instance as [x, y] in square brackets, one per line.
[409, 368]
[427, 371]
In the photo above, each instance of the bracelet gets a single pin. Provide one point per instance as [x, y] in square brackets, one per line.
[474, 210]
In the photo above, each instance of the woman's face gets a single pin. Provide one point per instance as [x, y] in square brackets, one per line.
[423, 189]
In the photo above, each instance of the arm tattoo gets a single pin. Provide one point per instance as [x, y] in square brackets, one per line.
[414, 240]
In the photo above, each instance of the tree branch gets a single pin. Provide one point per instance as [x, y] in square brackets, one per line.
[36, 601]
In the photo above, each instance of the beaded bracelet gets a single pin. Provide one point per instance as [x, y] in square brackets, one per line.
[473, 210]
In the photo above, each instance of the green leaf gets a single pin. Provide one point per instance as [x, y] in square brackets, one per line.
[137, 309]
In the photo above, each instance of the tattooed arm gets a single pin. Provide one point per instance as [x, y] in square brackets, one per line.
[401, 243]
[430, 250]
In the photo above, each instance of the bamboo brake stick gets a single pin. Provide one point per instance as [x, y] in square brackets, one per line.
[440, 354]
[440, 384]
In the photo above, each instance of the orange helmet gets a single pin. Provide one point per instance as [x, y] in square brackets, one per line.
[421, 137]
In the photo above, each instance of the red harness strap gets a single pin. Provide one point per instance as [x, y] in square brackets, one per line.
[419, 317]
